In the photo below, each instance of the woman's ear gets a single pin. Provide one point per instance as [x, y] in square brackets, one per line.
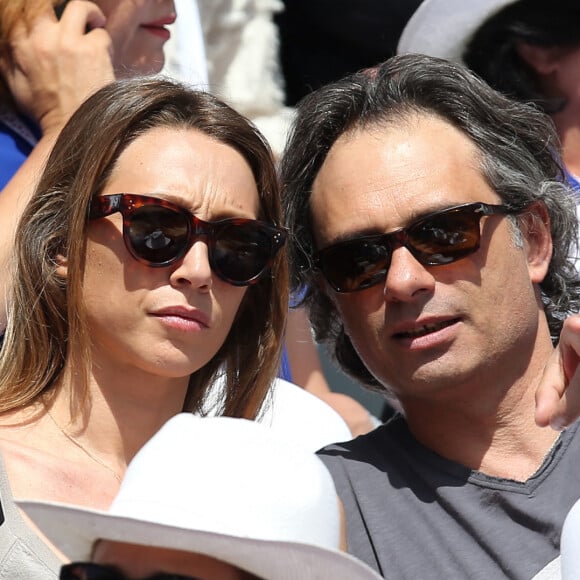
[61, 266]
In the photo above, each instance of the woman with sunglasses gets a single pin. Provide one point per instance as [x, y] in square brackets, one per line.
[148, 263]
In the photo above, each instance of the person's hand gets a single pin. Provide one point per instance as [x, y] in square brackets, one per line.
[56, 64]
[558, 395]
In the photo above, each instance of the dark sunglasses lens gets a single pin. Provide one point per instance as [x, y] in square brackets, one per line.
[355, 265]
[241, 252]
[158, 235]
[90, 571]
[444, 238]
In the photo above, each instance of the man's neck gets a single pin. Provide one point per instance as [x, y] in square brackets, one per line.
[486, 426]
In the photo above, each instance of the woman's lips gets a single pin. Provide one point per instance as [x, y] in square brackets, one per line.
[158, 27]
[159, 31]
[183, 317]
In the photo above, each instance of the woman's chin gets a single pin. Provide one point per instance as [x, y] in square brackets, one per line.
[143, 67]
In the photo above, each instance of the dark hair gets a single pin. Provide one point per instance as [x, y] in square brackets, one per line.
[492, 51]
[516, 142]
[45, 312]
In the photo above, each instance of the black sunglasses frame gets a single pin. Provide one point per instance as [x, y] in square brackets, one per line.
[129, 203]
[93, 571]
[403, 237]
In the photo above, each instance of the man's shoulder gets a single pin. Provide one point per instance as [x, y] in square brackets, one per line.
[370, 447]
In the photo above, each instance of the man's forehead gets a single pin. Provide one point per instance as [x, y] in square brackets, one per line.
[439, 135]
[398, 170]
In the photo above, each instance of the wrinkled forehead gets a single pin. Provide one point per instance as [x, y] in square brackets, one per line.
[189, 168]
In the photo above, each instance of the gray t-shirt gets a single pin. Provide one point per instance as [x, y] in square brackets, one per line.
[411, 514]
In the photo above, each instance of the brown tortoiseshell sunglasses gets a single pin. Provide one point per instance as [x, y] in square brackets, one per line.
[158, 233]
[438, 238]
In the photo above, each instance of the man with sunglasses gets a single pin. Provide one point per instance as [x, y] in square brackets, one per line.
[435, 236]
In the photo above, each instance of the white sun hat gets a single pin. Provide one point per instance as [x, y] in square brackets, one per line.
[443, 28]
[569, 544]
[228, 488]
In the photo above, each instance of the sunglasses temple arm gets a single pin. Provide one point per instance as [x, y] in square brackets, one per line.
[102, 206]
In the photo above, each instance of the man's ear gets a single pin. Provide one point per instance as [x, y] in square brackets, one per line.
[535, 227]
[543, 59]
[61, 266]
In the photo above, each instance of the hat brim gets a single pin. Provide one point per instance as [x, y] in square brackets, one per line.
[74, 530]
[443, 28]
